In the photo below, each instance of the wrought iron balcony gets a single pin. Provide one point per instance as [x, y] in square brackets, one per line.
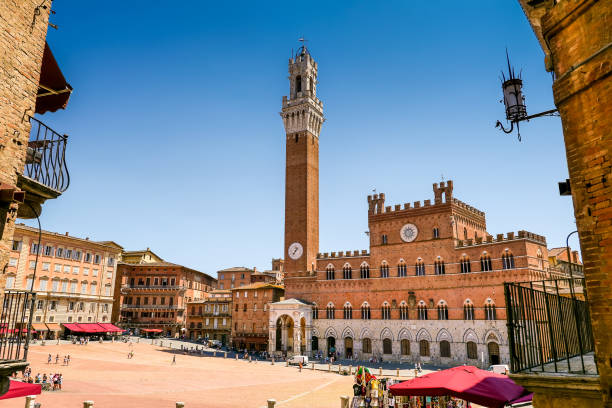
[125, 288]
[549, 327]
[156, 307]
[14, 338]
[45, 175]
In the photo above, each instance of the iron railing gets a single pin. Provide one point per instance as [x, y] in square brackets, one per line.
[46, 157]
[549, 327]
[14, 325]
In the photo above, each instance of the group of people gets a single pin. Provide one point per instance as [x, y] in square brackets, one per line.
[57, 357]
[50, 382]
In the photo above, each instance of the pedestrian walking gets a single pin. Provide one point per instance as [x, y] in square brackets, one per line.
[56, 359]
[49, 359]
[173, 360]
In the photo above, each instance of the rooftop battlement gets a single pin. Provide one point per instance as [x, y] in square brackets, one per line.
[510, 236]
[343, 254]
[443, 195]
[468, 207]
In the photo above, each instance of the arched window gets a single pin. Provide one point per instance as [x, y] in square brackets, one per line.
[331, 273]
[419, 267]
[436, 233]
[468, 310]
[489, 308]
[347, 272]
[442, 311]
[424, 348]
[422, 309]
[465, 233]
[485, 262]
[331, 311]
[466, 266]
[315, 311]
[364, 271]
[387, 346]
[472, 350]
[298, 83]
[315, 343]
[384, 270]
[365, 311]
[507, 260]
[401, 268]
[366, 346]
[348, 311]
[403, 311]
[386, 311]
[445, 349]
[405, 346]
[439, 267]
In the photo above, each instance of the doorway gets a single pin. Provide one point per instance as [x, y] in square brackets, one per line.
[493, 353]
[331, 346]
[348, 347]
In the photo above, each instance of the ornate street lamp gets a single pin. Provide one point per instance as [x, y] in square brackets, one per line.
[514, 101]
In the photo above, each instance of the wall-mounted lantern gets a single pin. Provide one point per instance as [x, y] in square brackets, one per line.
[514, 101]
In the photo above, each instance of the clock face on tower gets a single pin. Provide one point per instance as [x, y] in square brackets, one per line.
[295, 251]
[409, 232]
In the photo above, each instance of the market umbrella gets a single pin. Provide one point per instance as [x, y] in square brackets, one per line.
[465, 382]
[20, 389]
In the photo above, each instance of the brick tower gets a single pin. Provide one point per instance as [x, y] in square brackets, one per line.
[302, 115]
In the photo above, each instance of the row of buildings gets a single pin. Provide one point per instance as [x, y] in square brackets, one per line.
[428, 288]
[78, 280]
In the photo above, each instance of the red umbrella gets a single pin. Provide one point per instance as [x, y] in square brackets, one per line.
[20, 389]
[465, 382]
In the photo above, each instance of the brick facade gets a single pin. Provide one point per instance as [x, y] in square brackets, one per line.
[576, 37]
[22, 43]
[250, 314]
[429, 288]
[155, 295]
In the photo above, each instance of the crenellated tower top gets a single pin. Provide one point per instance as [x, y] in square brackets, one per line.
[302, 110]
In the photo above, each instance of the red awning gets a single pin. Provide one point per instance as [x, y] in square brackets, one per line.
[53, 90]
[110, 327]
[465, 382]
[20, 389]
[72, 327]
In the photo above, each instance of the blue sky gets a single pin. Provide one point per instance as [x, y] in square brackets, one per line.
[176, 143]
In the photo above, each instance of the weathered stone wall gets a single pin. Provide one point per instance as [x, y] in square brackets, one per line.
[23, 29]
[457, 333]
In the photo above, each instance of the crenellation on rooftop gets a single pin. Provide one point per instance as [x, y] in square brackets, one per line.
[509, 236]
[343, 254]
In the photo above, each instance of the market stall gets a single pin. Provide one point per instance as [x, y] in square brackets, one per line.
[20, 389]
[465, 383]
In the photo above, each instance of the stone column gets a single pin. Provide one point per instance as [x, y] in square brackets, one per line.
[284, 341]
[297, 339]
[308, 350]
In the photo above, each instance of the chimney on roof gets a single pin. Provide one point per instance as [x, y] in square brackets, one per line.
[254, 269]
[66, 233]
[575, 257]
[86, 238]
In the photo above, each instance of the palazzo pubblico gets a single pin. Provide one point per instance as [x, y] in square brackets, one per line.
[429, 289]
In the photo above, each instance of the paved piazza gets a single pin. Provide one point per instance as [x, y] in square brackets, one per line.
[102, 373]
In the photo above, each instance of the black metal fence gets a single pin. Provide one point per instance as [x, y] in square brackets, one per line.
[46, 157]
[549, 327]
[14, 322]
